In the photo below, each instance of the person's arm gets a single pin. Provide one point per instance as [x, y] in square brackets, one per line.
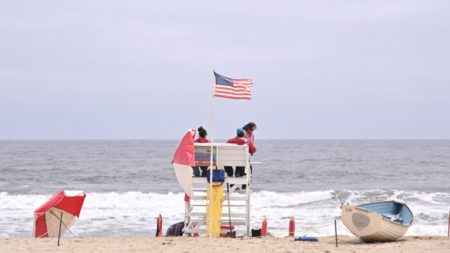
[251, 147]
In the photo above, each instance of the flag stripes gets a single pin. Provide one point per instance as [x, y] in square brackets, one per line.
[232, 88]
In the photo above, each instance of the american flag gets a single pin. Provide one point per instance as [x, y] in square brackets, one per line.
[232, 88]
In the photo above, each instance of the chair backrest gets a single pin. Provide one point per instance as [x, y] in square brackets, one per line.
[224, 154]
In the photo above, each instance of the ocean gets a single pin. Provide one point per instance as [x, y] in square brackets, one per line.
[128, 183]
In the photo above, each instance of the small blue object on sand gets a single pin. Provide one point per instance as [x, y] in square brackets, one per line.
[307, 239]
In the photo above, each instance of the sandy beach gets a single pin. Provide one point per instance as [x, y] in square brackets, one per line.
[151, 244]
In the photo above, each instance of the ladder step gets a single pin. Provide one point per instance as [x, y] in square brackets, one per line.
[195, 230]
[224, 221]
[203, 192]
[223, 214]
[230, 180]
[240, 198]
[224, 205]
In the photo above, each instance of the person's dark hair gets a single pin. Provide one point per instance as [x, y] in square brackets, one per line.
[250, 126]
[202, 132]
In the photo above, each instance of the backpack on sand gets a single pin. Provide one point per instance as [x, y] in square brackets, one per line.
[176, 229]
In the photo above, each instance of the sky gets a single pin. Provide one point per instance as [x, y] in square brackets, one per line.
[144, 69]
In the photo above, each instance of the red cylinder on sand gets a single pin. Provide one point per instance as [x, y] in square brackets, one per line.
[264, 228]
[195, 234]
[292, 226]
[159, 222]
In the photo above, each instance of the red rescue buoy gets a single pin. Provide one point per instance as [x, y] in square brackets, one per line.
[292, 226]
[195, 234]
[159, 222]
[264, 228]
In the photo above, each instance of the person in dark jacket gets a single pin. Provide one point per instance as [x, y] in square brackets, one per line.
[201, 171]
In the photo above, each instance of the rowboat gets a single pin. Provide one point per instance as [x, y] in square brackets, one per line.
[379, 221]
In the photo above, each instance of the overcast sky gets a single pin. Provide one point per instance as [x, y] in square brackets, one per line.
[143, 69]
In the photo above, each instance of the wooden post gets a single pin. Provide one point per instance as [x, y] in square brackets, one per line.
[448, 231]
[335, 233]
[60, 224]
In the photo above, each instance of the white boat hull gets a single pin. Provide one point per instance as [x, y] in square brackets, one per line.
[370, 226]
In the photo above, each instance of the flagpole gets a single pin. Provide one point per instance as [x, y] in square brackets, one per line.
[211, 158]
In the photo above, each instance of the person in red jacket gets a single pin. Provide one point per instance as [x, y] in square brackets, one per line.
[249, 128]
[240, 140]
[201, 171]
[202, 136]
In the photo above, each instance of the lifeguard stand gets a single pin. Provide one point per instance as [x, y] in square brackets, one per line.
[224, 154]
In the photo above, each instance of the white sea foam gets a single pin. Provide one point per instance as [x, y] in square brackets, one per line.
[134, 213]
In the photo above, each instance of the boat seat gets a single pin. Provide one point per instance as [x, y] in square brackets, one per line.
[393, 217]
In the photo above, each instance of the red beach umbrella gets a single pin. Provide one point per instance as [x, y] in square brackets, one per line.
[56, 215]
[183, 159]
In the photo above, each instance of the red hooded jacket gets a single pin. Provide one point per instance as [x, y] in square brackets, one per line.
[242, 141]
[202, 140]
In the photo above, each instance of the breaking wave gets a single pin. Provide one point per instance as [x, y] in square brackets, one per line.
[134, 213]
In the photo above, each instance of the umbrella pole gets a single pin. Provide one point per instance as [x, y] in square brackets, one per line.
[64, 224]
[60, 224]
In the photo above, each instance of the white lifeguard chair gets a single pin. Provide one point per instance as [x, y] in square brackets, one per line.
[224, 154]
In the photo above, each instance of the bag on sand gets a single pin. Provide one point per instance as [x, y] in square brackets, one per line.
[176, 229]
